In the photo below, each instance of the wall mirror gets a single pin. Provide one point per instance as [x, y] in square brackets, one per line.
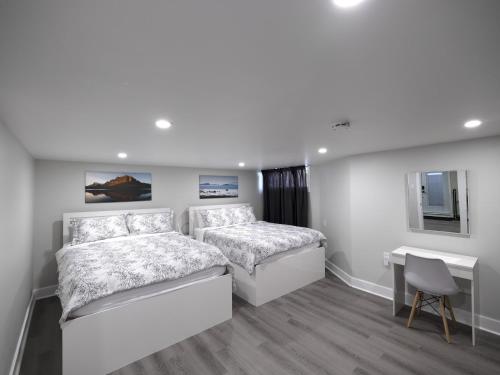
[438, 202]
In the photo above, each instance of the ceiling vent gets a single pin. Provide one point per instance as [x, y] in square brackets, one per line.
[341, 125]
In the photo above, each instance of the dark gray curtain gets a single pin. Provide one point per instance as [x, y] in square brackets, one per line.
[286, 198]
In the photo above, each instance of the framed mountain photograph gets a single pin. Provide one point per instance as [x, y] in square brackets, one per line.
[218, 187]
[105, 187]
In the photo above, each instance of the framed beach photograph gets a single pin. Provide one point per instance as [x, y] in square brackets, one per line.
[218, 187]
[105, 187]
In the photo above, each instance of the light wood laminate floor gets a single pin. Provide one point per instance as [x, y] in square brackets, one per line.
[324, 328]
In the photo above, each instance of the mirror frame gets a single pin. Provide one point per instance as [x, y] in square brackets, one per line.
[427, 231]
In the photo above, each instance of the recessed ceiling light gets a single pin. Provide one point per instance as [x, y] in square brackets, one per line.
[347, 3]
[241, 164]
[163, 124]
[322, 150]
[473, 123]
[122, 155]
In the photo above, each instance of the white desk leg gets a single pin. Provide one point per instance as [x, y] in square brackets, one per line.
[474, 303]
[473, 312]
[398, 288]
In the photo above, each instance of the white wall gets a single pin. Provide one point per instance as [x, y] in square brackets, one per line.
[362, 199]
[330, 206]
[16, 225]
[59, 188]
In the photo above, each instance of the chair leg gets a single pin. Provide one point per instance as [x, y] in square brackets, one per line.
[419, 304]
[445, 320]
[413, 308]
[448, 305]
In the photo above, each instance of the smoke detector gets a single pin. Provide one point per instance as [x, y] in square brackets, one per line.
[341, 125]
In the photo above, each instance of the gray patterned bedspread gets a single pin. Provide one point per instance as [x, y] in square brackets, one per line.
[249, 244]
[94, 270]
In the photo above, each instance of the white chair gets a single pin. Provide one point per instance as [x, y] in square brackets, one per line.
[432, 277]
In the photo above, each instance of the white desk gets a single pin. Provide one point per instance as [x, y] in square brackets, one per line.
[460, 266]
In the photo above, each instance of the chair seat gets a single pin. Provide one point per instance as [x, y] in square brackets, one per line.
[429, 286]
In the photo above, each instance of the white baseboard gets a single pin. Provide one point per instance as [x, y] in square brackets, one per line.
[366, 286]
[36, 294]
[485, 323]
[23, 335]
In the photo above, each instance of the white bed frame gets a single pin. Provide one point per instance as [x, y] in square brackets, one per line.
[276, 278]
[108, 340]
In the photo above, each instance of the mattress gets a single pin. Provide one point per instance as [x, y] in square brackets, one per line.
[250, 244]
[125, 297]
[91, 271]
[289, 252]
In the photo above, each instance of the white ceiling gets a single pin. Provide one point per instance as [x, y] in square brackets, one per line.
[258, 81]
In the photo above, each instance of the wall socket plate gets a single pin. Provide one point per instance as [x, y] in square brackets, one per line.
[386, 258]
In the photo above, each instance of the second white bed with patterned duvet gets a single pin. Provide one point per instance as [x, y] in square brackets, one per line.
[269, 260]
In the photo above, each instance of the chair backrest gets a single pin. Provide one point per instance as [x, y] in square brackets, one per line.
[428, 274]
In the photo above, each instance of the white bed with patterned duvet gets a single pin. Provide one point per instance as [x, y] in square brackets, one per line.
[269, 260]
[129, 285]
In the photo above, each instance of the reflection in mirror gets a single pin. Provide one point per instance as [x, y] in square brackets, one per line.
[437, 201]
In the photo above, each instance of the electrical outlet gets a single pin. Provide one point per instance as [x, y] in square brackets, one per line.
[386, 258]
[325, 222]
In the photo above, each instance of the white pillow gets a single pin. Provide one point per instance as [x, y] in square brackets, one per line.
[220, 217]
[244, 215]
[91, 229]
[161, 222]
[212, 218]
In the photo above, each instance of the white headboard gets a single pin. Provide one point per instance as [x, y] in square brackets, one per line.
[193, 223]
[70, 215]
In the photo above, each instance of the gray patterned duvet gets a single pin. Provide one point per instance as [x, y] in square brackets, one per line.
[94, 270]
[249, 244]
